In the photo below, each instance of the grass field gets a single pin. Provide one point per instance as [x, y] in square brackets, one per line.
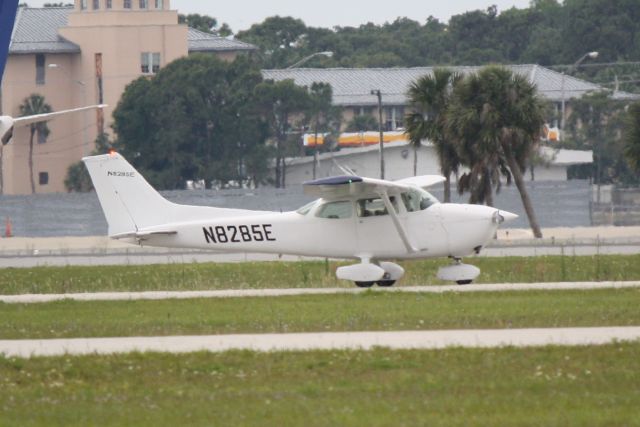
[371, 311]
[595, 386]
[302, 274]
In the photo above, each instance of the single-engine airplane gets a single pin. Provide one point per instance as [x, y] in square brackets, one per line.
[370, 220]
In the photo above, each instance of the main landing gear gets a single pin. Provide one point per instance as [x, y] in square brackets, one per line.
[368, 274]
[381, 283]
[462, 274]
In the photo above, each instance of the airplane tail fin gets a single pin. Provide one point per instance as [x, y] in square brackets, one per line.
[129, 202]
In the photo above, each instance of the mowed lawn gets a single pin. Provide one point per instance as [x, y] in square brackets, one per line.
[303, 274]
[369, 311]
[554, 386]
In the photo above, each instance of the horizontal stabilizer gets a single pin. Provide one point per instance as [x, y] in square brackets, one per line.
[141, 235]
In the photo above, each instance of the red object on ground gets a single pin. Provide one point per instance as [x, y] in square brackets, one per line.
[7, 228]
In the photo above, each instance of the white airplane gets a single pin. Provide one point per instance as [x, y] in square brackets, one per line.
[370, 220]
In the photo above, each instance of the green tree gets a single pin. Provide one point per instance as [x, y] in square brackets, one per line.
[280, 38]
[596, 123]
[280, 103]
[632, 137]
[31, 106]
[362, 123]
[196, 119]
[429, 99]
[496, 117]
[78, 179]
[206, 24]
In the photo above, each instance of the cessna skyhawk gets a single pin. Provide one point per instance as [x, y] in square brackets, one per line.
[370, 220]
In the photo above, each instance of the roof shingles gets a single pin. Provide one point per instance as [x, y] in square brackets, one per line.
[36, 31]
[353, 86]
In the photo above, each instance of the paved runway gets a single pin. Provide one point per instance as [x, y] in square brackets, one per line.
[323, 341]
[247, 293]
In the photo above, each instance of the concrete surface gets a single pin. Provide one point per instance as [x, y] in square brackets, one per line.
[323, 341]
[34, 252]
[257, 293]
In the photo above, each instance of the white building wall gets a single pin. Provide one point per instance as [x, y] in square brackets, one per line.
[398, 165]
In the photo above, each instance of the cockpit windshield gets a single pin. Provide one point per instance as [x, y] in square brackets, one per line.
[418, 200]
[307, 208]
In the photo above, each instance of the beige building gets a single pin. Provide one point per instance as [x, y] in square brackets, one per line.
[84, 55]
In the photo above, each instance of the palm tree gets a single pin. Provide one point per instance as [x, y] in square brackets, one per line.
[496, 117]
[632, 137]
[429, 98]
[31, 106]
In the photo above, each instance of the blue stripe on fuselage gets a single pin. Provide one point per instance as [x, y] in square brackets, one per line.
[8, 9]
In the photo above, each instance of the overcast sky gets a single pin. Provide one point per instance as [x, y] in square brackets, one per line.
[241, 14]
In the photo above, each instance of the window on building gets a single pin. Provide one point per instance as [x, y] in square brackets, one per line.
[40, 69]
[335, 210]
[150, 62]
[143, 4]
[127, 4]
[83, 4]
[160, 4]
[394, 118]
[375, 207]
[155, 58]
[96, 4]
[42, 137]
[43, 178]
[109, 4]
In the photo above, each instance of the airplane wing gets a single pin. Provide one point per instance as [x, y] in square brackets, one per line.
[348, 186]
[28, 120]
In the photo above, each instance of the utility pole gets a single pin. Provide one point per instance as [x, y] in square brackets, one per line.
[378, 93]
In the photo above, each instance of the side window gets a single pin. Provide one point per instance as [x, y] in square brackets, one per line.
[40, 68]
[411, 201]
[335, 210]
[375, 207]
[415, 201]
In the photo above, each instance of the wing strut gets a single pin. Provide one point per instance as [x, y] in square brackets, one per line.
[396, 221]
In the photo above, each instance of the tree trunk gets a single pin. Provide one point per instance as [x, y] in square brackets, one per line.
[526, 201]
[33, 184]
[487, 188]
[447, 188]
[284, 174]
[415, 159]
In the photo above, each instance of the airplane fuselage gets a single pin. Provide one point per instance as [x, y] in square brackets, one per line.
[442, 230]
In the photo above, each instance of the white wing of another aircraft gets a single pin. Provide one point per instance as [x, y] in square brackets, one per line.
[7, 123]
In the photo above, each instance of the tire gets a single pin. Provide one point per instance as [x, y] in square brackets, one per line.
[365, 284]
[386, 283]
[464, 282]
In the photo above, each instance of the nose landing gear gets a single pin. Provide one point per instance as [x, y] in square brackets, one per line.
[462, 274]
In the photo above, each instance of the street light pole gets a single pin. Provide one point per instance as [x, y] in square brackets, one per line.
[588, 55]
[305, 59]
[83, 88]
[378, 93]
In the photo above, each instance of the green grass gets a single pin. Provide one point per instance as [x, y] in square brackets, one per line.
[302, 274]
[554, 386]
[364, 312]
